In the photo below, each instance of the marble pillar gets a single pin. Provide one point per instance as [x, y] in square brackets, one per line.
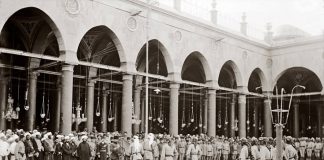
[3, 102]
[58, 107]
[174, 109]
[137, 108]
[256, 119]
[90, 105]
[319, 120]
[205, 117]
[267, 118]
[232, 115]
[211, 123]
[242, 115]
[104, 110]
[295, 107]
[126, 110]
[67, 98]
[32, 89]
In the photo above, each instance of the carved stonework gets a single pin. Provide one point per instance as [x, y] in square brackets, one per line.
[73, 6]
[178, 36]
[131, 23]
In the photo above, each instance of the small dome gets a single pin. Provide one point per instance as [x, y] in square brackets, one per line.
[288, 32]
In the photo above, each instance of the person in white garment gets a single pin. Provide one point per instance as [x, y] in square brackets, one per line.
[4, 146]
[194, 150]
[290, 152]
[264, 151]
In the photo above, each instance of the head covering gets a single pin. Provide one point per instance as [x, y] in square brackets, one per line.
[84, 138]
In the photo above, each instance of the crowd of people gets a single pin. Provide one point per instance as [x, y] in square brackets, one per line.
[35, 145]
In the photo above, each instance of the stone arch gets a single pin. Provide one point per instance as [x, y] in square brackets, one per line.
[164, 51]
[197, 59]
[92, 38]
[44, 16]
[299, 75]
[230, 66]
[260, 77]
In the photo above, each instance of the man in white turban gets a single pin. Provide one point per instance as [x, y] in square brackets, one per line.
[136, 149]
[4, 146]
[150, 148]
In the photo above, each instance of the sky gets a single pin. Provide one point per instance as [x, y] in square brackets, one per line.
[307, 15]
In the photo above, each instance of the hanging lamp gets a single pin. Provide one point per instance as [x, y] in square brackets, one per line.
[200, 109]
[98, 97]
[309, 121]
[111, 113]
[219, 125]
[183, 118]
[226, 118]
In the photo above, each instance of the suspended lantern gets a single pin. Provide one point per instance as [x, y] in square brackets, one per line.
[26, 106]
[42, 112]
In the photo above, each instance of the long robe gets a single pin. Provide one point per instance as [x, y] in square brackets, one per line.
[84, 151]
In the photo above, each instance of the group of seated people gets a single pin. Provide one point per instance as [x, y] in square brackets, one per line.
[35, 145]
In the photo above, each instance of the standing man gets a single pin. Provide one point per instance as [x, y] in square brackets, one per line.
[4, 147]
[83, 150]
[150, 148]
[30, 151]
[136, 149]
[67, 149]
[169, 151]
[290, 152]
[194, 150]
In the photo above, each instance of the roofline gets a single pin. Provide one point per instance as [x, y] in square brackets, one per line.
[204, 24]
[298, 41]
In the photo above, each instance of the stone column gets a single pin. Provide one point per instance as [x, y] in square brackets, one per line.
[211, 128]
[267, 118]
[58, 107]
[205, 113]
[319, 120]
[137, 108]
[66, 98]
[32, 89]
[104, 117]
[242, 115]
[116, 114]
[126, 112]
[3, 102]
[143, 114]
[256, 120]
[232, 116]
[90, 105]
[295, 107]
[174, 109]
[177, 4]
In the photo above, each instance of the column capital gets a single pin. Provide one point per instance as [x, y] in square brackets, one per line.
[174, 85]
[33, 75]
[242, 88]
[105, 93]
[127, 77]
[69, 57]
[67, 67]
[91, 83]
[211, 91]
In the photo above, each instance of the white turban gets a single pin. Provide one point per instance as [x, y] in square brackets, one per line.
[83, 138]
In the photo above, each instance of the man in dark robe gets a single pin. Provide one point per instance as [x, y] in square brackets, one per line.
[67, 149]
[83, 150]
